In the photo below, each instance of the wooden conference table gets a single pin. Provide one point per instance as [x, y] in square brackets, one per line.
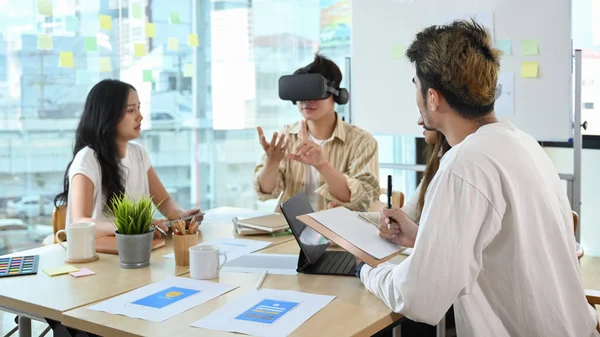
[354, 312]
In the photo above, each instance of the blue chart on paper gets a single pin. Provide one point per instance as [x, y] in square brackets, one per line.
[267, 311]
[165, 297]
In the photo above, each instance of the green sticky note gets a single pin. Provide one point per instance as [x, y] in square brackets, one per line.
[150, 30]
[66, 59]
[529, 47]
[188, 70]
[106, 22]
[45, 42]
[45, 7]
[91, 44]
[175, 18]
[398, 51]
[193, 40]
[105, 65]
[83, 77]
[504, 47]
[148, 76]
[530, 70]
[139, 50]
[173, 44]
[72, 24]
[136, 11]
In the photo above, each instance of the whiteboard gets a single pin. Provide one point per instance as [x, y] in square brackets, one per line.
[383, 95]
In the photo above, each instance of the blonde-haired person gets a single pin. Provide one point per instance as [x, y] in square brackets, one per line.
[495, 238]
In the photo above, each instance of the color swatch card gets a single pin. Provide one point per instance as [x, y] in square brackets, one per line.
[165, 297]
[19, 265]
[267, 311]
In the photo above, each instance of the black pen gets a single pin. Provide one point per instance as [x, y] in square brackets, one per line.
[389, 197]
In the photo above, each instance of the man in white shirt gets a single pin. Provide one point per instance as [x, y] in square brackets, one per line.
[496, 233]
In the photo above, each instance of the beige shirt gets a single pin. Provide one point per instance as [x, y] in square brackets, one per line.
[352, 151]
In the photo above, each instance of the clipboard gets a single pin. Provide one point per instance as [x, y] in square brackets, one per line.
[349, 247]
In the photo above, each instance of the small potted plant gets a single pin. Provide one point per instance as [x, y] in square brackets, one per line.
[134, 230]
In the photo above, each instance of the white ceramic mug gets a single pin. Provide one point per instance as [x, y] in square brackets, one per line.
[204, 262]
[81, 240]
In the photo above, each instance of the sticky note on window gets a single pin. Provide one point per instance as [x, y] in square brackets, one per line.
[147, 76]
[398, 51]
[530, 70]
[45, 7]
[60, 270]
[504, 47]
[136, 11]
[91, 44]
[105, 65]
[45, 42]
[150, 30]
[193, 40]
[66, 59]
[82, 272]
[83, 77]
[175, 18]
[188, 70]
[72, 24]
[106, 22]
[139, 49]
[173, 44]
[529, 47]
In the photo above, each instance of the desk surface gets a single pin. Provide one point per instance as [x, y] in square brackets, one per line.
[354, 311]
[25, 294]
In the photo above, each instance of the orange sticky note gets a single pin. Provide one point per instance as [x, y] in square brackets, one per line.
[66, 59]
[530, 69]
[106, 22]
[139, 50]
[150, 30]
[193, 40]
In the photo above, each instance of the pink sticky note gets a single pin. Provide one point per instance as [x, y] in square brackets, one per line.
[82, 272]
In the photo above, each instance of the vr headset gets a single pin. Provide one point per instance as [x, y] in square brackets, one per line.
[310, 87]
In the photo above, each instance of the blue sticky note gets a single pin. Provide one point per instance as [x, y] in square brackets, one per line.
[267, 311]
[504, 46]
[165, 297]
[83, 77]
[72, 24]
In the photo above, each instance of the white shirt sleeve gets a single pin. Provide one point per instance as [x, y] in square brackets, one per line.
[86, 163]
[457, 223]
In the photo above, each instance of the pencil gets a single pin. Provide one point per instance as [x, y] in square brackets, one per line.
[262, 279]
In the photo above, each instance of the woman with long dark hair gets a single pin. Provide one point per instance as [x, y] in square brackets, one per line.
[106, 163]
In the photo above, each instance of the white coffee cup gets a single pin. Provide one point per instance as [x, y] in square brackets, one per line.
[81, 240]
[204, 262]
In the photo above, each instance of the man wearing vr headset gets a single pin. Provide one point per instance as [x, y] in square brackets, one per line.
[320, 155]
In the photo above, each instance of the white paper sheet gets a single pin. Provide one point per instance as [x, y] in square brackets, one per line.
[505, 95]
[282, 264]
[233, 248]
[162, 300]
[265, 312]
[358, 232]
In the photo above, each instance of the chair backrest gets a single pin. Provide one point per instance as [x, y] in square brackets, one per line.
[59, 217]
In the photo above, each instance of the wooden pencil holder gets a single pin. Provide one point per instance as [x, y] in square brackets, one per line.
[181, 246]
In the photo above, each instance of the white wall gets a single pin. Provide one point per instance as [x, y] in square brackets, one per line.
[590, 197]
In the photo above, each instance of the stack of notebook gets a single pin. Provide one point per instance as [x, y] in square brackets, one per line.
[266, 224]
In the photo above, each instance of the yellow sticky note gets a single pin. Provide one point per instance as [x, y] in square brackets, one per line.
[150, 30]
[398, 51]
[105, 65]
[106, 22]
[173, 44]
[193, 40]
[530, 69]
[45, 42]
[529, 47]
[45, 7]
[66, 59]
[60, 270]
[188, 70]
[139, 50]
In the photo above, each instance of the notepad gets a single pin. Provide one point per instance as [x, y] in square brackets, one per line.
[60, 270]
[82, 272]
[268, 223]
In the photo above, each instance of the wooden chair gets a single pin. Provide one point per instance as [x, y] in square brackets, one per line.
[592, 296]
[59, 217]
[397, 200]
